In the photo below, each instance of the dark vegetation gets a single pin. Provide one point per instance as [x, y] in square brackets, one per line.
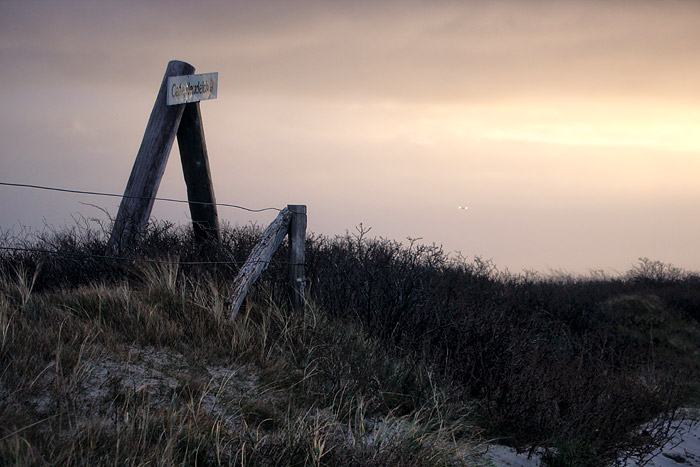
[584, 370]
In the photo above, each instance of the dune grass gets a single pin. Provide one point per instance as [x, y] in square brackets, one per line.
[154, 373]
[402, 356]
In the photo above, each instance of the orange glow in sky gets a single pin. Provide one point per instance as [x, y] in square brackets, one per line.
[571, 129]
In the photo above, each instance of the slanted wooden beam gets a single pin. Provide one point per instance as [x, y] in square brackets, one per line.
[258, 260]
[195, 167]
[142, 187]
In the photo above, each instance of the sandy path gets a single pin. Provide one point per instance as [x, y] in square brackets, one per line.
[683, 450]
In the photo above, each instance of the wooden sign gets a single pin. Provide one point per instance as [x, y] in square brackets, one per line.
[192, 88]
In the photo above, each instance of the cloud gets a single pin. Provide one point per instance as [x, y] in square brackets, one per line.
[574, 109]
[408, 51]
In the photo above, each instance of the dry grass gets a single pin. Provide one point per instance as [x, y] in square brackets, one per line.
[153, 374]
[567, 366]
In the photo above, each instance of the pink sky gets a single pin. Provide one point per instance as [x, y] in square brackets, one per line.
[570, 129]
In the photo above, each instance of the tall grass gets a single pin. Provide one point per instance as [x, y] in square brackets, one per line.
[587, 370]
[151, 372]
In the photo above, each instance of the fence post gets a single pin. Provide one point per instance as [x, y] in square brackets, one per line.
[195, 167]
[147, 172]
[297, 255]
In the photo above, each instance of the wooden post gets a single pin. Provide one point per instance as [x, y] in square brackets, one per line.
[258, 260]
[195, 167]
[297, 256]
[136, 206]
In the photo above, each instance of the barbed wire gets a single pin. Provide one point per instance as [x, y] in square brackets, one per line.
[115, 195]
[139, 260]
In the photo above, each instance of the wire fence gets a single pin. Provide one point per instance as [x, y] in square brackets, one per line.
[134, 259]
[113, 258]
[24, 249]
[115, 195]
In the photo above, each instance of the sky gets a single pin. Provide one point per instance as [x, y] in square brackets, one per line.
[570, 129]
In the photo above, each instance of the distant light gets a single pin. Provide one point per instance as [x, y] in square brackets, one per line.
[462, 207]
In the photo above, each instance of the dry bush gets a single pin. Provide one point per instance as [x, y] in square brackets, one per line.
[148, 371]
[543, 358]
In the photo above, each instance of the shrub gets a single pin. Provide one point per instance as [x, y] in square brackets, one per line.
[542, 358]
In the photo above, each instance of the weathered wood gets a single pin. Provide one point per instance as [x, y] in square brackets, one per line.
[259, 259]
[297, 256]
[195, 167]
[147, 172]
